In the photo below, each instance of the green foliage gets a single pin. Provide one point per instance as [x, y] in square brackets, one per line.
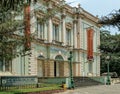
[110, 46]
[113, 19]
[9, 9]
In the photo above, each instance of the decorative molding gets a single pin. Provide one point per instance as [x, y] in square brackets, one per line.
[69, 25]
[40, 14]
[56, 20]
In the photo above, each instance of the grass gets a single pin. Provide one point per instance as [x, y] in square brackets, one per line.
[44, 87]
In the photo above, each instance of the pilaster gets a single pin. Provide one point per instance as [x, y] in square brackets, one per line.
[74, 69]
[78, 32]
[51, 70]
[75, 33]
[45, 31]
[63, 28]
[50, 31]
[66, 69]
[33, 63]
[61, 69]
[45, 68]
[50, 27]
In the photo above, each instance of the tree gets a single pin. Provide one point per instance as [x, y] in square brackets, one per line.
[9, 9]
[9, 41]
[110, 45]
[113, 19]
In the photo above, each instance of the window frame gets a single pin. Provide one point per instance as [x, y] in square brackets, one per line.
[55, 32]
[40, 30]
[68, 36]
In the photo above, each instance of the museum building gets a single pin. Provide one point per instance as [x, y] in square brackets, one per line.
[58, 29]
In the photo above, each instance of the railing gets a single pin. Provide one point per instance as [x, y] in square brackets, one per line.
[17, 82]
[54, 80]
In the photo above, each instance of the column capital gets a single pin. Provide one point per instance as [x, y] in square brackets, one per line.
[49, 5]
[75, 21]
[63, 16]
[63, 13]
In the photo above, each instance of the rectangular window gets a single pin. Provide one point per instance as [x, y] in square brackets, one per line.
[55, 32]
[68, 36]
[40, 30]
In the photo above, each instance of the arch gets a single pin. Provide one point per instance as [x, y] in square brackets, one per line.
[40, 65]
[40, 57]
[59, 58]
[58, 65]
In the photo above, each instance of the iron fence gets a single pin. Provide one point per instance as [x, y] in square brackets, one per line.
[18, 82]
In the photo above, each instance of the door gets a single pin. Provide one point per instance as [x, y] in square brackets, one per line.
[40, 68]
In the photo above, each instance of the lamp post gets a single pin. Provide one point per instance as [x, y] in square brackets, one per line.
[71, 75]
[108, 74]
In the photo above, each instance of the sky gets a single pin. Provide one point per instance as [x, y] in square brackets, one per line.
[98, 7]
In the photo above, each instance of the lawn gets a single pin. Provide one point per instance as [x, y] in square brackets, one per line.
[44, 88]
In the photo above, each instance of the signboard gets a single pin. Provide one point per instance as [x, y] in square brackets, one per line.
[18, 80]
[90, 43]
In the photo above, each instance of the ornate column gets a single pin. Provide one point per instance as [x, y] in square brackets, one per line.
[60, 33]
[45, 31]
[78, 32]
[63, 27]
[61, 69]
[50, 30]
[75, 33]
[66, 69]
[51, 68]
[79, 12]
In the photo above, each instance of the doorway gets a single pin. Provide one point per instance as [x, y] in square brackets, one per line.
[40, 66]
[56, 69]
[57, 65]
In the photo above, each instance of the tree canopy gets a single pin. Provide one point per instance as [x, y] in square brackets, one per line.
[110, 46]
[9, 9]
[113, 19]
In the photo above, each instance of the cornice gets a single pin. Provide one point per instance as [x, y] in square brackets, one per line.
[89, 16]
[85, 51]
[69, 10]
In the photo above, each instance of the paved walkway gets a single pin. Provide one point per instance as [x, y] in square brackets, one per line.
[101, 89]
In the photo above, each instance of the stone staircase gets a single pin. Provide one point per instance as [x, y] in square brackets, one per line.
[85, 81]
